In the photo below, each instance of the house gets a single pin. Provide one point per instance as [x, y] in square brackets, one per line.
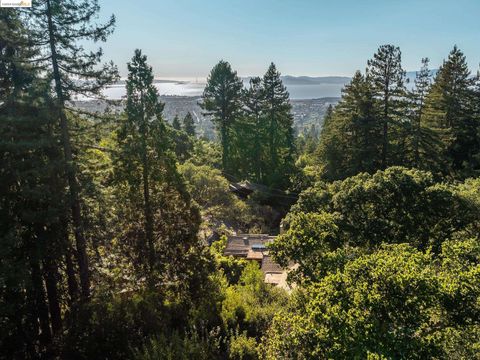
[248, 246]
[253, 247]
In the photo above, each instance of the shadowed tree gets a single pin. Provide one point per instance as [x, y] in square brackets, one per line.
[423, 81]
[59, 28]
[449, 112]
[351, 135]
[160, 221]
[189, 124]
[253, 98]
[176, 123]
[31, 200]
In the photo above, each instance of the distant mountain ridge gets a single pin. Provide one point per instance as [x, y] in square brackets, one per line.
[309, 80]
[317, 80]
[336, 80]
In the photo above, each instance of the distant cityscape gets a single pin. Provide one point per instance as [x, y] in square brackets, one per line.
[306, 112]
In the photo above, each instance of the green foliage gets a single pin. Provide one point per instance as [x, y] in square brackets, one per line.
[312, 241]
[394, 303]
[349, 141]
[176, 123]
[173, 347]
[422, 141]
[251, 304]
[206, 153]
[378, 123]
[386, 262]
[387, 78]
[219, 206]
[222, 100]
[16, 74]
[281, 146]
[255, 125]
[232, 268]
[449, 111]
[242, 347]
[74, 23]
[160, 222]
[32, 208]
[392, 206]
[189, 124]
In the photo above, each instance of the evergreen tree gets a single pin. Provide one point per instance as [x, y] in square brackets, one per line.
[189, 124]
[351, 135]
[58, 28]
[15, 53]
[222, 100]
[183, 144]
[387, 76]
[424, 143]
[253, 99]
[449, 112]
[328, 116]
[176, 123]
[160, 222]
[142, 133]
[280, 136]
[31, 201]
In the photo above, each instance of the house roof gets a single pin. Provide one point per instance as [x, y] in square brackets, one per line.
[269, 266]
[254, 254]
[240, 245]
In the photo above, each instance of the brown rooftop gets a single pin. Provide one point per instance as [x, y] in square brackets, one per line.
[240, 245]
[269, 266]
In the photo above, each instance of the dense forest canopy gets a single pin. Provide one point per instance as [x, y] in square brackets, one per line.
[114, 225]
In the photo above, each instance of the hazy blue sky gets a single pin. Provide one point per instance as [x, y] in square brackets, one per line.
[185, 38]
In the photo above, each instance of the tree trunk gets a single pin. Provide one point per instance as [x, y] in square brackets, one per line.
[225, 147]
[40, 306]
[51, 281]
[258, 172]
[71, 279]
[148, 211]
[385, 131]
[273, 151]
[70, 171]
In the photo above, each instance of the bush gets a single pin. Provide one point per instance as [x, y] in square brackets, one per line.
[191, 346]
[242, 347]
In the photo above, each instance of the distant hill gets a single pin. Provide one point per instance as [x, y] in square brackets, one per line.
[319, 80]
[309, 80]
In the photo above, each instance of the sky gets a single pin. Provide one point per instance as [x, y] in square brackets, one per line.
[184, 39]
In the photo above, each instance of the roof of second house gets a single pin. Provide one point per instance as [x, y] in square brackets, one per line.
[269, 266]
[240, 245]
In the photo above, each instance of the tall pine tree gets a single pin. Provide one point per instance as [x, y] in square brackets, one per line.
[222, 99]
[254, 98]
[423, 141]
[350, 141]
[59, 27]
[279, 133]
[449, 112]
[160, 222]
[189, 124]
[31, 201]
[387, 76]
[176, 123]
